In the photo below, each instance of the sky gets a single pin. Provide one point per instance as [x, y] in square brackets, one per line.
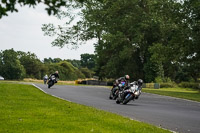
[22, 32]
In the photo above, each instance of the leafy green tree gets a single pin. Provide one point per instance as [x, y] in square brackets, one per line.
[48, 61]
[57, 60]
[11, 67]
[88, 60]
[88, 73]
[66, 70]
[31, 63]
[75, 63]
[53, 6]
[191, 58]
[145, 39]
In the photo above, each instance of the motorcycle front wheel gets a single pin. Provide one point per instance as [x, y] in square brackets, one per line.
[50, 83]
[126, 100]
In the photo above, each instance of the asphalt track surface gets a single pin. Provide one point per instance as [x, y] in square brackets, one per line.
[170, 113]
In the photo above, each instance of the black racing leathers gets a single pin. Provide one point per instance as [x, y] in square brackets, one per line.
[118, 81]
[56, 76]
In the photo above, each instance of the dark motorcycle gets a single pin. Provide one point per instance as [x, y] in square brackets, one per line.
[115, 90]
[51, 81]
[129, 94]
[45, 81]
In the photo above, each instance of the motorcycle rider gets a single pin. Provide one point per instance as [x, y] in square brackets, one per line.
[123, 79]
[138, 90]
[139, 84]
[118, 81]
[56, 76]
[45, 78]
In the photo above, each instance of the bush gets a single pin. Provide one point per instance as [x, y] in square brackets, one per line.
[158, 80]
[163, 80]
[88, 73]
[167, 85]
[189, 85]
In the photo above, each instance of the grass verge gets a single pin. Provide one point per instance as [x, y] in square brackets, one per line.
[23, 108]
[186, 93]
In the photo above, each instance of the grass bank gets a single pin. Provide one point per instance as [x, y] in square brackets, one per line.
[23, 108]
[185, 93]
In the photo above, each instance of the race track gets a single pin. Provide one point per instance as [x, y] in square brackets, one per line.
[171, 113]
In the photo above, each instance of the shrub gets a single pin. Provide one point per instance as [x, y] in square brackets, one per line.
[163, 80]
[158, 80]
[189, 85]
[167, 85]
[87, 73]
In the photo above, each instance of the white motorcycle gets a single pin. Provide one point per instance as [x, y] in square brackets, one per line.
[127, 95]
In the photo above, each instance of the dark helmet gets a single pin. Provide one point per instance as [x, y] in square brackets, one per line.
[140, 82]
[127, 77]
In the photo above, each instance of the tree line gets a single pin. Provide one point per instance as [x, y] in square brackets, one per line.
[156, 40]
[16, 65]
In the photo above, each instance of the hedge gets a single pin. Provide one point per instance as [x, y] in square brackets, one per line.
[189, 85]
[167, 85]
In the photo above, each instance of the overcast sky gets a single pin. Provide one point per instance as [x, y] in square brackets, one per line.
[22, 32]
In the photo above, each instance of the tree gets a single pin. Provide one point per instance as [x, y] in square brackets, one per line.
[11, 67]
[145, 39]
[88, 73]
[191, 58]
[32, 65]
[53, 6]
[88, 60]
[48, 61]
[66, 70]
[57, 60]
[75, 63]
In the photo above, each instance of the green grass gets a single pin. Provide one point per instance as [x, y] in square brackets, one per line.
[185, 93]
[25, 109]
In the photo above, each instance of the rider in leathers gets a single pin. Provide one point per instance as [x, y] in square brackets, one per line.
[139, 84]
[119, 80]
[56, 76]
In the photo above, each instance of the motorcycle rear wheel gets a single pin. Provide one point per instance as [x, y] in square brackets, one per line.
[50, 84]
[117, 101]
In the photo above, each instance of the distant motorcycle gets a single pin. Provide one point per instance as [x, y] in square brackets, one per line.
[129, 94]
[115, 91]
[45, 81]
[51, 81]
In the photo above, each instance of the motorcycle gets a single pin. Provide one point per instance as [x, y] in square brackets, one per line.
[51, 81]
[126, 96]
[45, 81]
[115, 90]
